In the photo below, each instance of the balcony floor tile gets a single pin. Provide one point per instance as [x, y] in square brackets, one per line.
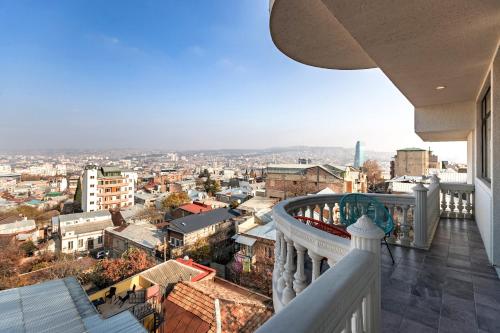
[450, 288]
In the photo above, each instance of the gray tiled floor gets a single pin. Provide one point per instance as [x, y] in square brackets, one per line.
[450, 288]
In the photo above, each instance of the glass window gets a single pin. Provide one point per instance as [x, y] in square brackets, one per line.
[486, 136]
[99, 240]
[70, 245]
[80, 243]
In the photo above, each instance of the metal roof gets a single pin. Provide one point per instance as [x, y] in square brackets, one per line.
[57, 306]
[84, 215]
[169, 273]
[195, 222]
[87, 227]
[146, 235]
[244, 240]
[267, 231]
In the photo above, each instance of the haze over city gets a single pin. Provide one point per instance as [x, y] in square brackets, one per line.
[293, 166]
[169, 75]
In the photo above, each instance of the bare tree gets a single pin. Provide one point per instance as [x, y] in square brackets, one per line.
[373, 174]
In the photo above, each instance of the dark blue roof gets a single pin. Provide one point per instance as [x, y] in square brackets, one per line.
[190, 223]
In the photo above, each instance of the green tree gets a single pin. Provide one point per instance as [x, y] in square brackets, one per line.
[174, 200]
[204, 173]
[211, 186]
[28, 248]
[78, 192]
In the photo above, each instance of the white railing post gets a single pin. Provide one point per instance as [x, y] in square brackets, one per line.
[288, 292]
[365, 235]
[420, 216]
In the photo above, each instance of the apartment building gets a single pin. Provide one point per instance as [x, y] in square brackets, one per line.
[414, 162]
[188, 230]
[290, 180]
[80, 232]
[107, 188]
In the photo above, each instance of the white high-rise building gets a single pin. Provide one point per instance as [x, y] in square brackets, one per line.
[106, 188]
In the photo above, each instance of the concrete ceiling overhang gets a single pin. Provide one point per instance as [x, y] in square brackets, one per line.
[306, 31]
[419, 45]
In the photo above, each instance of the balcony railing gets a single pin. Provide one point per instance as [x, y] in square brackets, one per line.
[347, 295]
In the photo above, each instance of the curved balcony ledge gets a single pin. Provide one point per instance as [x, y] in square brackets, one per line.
[314, 240]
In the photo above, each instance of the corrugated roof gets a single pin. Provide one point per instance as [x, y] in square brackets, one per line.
[244, 240]
[169, 273]
[84, 215]
[195, 222]
[57, 306]
[267, 231]
[257, 203]
[146, 235]
[87, 227]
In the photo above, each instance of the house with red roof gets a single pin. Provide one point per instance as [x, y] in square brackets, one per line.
[190, 209]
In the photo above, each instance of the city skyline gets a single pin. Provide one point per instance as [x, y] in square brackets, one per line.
[181, 77]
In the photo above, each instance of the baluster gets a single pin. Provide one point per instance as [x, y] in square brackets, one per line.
[299, 282]
[470, 203]
[405, 227]
[336, 213]
[311, 210]
[348, 325]
[444, 204]
[460, 206]
[281, 280]
[288, 292]
[321, 208]
[453, 205]
[364, 309]
[390, 208]
[358, 319]
[277, 250]
[316, 264]
[330, 212]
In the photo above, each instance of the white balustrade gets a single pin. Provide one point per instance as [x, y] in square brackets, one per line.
[351, 300]
[457, 200]
[346, 298]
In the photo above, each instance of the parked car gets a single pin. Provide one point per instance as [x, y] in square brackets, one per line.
[102, 254]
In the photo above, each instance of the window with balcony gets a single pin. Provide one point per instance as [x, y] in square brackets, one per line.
[486, 136]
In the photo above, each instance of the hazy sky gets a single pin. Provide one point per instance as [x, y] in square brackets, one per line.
[183, 74]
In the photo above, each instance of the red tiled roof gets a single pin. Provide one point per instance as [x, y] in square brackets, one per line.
[240, 309]
[182, 321]
[195, 208]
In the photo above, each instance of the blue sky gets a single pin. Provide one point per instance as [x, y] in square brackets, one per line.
[183, 74]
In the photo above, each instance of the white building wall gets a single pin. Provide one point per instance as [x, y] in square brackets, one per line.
[131, 179]
[495, 158]
[89, 190]
[487, 193]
